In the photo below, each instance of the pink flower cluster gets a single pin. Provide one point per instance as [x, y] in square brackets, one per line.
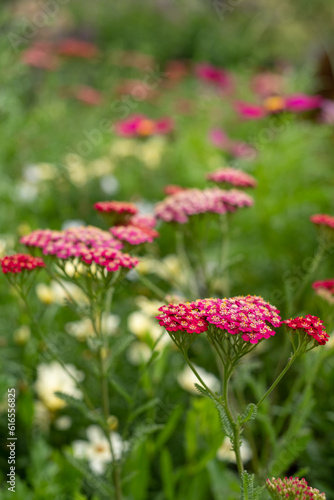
[133, 234]
[220, 139]
[292, 488]
[215, 76]
[20, 262]
[309, 325]
[323, 220]
[246, 316]
[233, 176]
[119, 207]
[137, 230]
[43, 54]
[89, 244]
[324, 284]
[142, 126]
[181, 205]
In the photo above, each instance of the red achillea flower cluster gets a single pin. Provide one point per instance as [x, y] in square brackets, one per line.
[310, 325]
[142, 126]
[246, 316]
[134, 235]
[88, 244]
[323, 220]
[20, 262]
[183, 204]
[292, 488]
[325, 285]
[119, 207]
[233, 176]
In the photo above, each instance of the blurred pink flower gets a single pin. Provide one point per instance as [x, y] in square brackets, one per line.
[267, 84]
[219, 138]
[327, 112]
[215, 76]
[301, 102]
[40, 55]
[141, 126]
[88, 95]
[250, 111]
[72, 47]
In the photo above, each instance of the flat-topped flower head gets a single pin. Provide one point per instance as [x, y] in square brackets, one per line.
[325, 289]
[249, 317]
[20, 262]
[116, 212]
[323, 220]
[119, 207]
[181, 205]
[245, 316]
[292, 488]
[232, 176]
[310, 326]
[147, 221]
[88, 244]
[133, 234]
[326, 284]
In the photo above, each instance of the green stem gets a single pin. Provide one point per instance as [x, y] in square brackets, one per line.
[183, 256]
[225, 248]
[318, 257]
[151, 286]
[96, 319]
[235, 426]
[42, 337]
[278, 379]
[199, 378]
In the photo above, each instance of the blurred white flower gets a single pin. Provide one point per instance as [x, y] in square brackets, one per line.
[72, 223]
[124, 147]
[26, 192]
[39, 172]
[138, 353]
[149, 307]
[63, 423]
[101, 166]
[187, 379]
[52, 378]
[83, 328]
[109, 184]
[97, 450]
[22, 335]
[6, 244]
[225, 452]
[151, 151]
[58, 293]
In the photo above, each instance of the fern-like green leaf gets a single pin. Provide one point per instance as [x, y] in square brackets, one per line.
[248, 414]
[226, 424]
